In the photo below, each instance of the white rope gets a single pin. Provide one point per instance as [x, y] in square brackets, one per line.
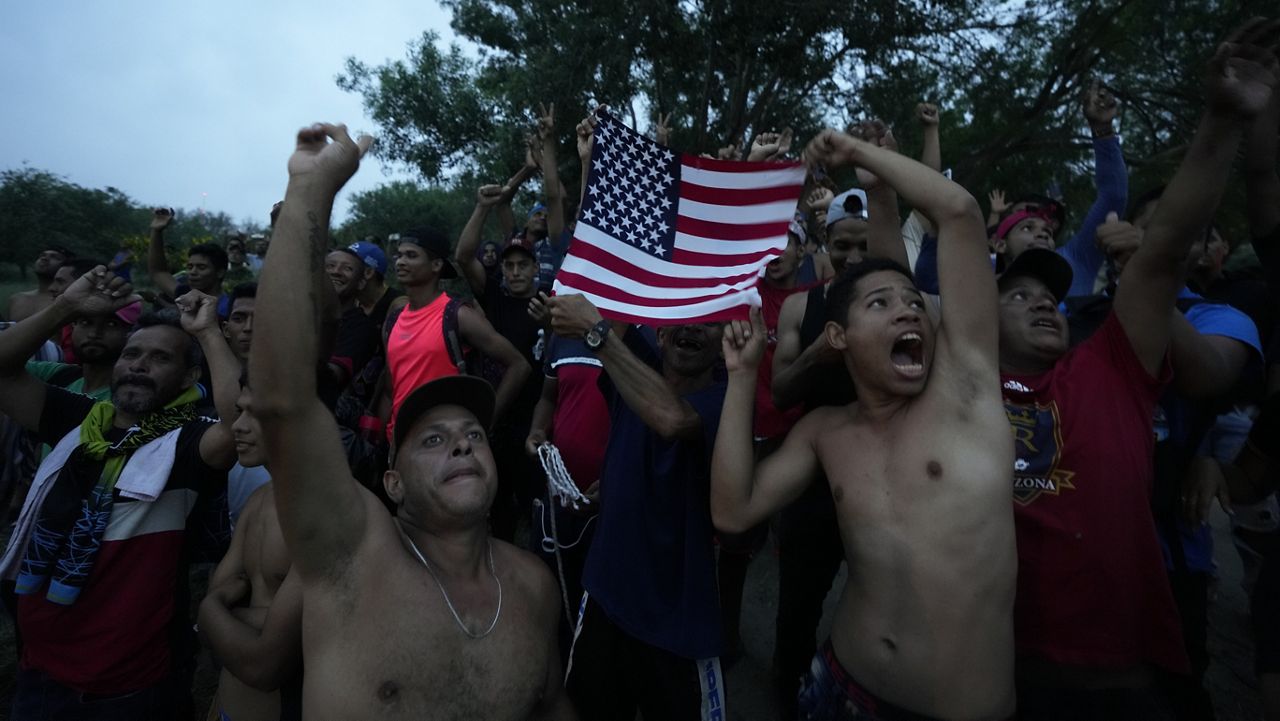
[559, 483]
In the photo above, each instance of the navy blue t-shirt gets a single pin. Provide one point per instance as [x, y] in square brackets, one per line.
[652, 564]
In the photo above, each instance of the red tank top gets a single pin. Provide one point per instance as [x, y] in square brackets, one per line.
[416, 352]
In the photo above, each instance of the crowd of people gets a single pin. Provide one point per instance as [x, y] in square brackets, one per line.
[497, 503]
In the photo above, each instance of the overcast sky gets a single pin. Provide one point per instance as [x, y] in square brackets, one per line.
[190, 103]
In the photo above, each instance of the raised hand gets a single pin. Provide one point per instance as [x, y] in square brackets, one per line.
[731, 151]
[327, 164]
[927, 114]
[770, 146]
[161, 218]
[489, 195]
[876, 133]
[97, 292]
[532, 151]
[661, 129]
[743, 343]
[820, 198]
[546, 121]
[1100, 108]
[1118, 239]
[996, 199]
[199, 312]
[1244, 71]
[829, 148]
[586, 133]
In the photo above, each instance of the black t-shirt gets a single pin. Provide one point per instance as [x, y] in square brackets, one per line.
[356, 343]
[831, 384]
[510, 317]
[378, 314]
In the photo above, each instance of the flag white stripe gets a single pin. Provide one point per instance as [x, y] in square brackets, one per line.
[777, 212]
[587, 233]
[599, 274]
[659, 313]
[747, 180]
[697, 244]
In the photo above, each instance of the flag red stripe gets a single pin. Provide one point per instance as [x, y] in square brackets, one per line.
[587, 285]
[731, 166]
[738, 197]
[737, 312]
[593, 254]
[731, 231]
[691, 257]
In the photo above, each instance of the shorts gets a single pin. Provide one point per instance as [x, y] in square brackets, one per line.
[829, 693]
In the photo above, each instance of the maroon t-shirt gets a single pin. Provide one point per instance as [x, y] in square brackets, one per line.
[1092, 588]
[769, 421]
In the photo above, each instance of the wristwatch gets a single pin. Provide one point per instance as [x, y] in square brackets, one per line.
[596, 337]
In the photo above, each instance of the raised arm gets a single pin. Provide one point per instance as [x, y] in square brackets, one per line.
[532, 161]
[200, 319]
[157, 263]
[793, 363]
[465, 254]
[641, 387]
[1262, 184]
[585, 135]
[1241, 77]
[319, 505]
[552, 190]
[478, 333]
[97, 292]
[1112, 178]
[884, 236]
[965, 280]
[744, 493]
[931, 151]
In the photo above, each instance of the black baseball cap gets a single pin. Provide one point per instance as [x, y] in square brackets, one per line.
[434, 243]
[1044, 265]
[472, 393]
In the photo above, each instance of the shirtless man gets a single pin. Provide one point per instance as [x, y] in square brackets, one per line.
[420, 615]
[29, 302]
[919, 468]
[252, 616]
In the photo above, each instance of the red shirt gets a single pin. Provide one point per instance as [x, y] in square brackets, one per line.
[416, 352]
[769, 421]
[581, 423]
[1092, 588]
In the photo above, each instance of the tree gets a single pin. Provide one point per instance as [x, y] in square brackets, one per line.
[399, 205]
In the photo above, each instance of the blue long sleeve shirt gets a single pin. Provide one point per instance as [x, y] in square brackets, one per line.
[1082, 252]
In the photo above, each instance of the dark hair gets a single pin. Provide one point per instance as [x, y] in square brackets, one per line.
[214, 252]
[80, 266]
[64, 251]
[171, 318]
[248, 289]
[840, 295]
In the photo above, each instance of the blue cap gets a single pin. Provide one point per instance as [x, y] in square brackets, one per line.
[369, 254]
[536, 207]
[849, 204]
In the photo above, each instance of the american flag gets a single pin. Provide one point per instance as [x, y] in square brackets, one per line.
[665, 237]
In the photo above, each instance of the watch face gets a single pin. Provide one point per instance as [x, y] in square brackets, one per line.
[592, 339]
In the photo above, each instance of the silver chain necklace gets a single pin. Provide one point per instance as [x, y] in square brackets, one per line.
[445, 593]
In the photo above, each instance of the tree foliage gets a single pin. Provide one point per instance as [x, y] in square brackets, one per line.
[39, 209]
[1008, 75]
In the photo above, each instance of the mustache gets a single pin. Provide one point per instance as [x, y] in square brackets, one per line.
[136, 380]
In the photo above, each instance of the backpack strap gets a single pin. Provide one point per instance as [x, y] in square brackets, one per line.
[452, 342]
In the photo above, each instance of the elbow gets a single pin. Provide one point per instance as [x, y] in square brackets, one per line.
[262, 674]
[672, 422]
[725, 520]
[960, 205]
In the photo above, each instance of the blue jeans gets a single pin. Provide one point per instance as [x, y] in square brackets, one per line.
[36, 697]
